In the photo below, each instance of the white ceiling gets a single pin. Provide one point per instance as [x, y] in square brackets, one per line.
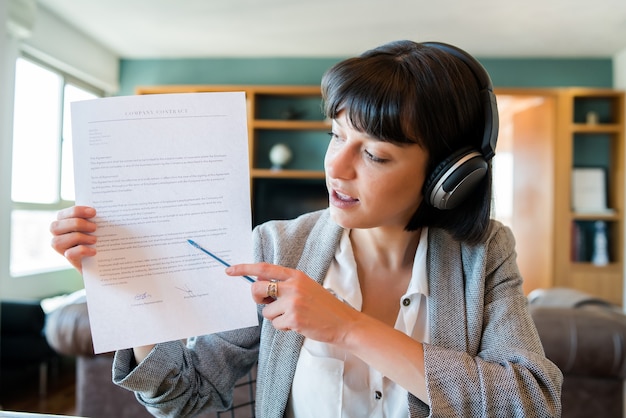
[339, 28]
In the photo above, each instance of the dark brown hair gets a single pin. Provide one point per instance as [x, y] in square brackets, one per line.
[408, 93]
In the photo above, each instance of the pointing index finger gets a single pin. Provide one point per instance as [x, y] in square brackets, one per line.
[262, 271]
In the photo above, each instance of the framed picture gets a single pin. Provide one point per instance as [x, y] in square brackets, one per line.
[589, 190]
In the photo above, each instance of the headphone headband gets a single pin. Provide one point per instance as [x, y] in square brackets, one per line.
[487, 96]
[455, 178]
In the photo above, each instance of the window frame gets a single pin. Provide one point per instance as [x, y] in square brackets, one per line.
[66, 79]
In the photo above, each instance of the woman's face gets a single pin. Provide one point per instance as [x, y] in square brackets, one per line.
[372, 183]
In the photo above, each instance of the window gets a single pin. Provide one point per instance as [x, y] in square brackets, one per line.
[42, 170]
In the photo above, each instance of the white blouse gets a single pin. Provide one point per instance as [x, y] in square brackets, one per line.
[333, 383]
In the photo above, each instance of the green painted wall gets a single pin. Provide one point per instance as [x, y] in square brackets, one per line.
[550, 72]
[253, 71]
[538, 72]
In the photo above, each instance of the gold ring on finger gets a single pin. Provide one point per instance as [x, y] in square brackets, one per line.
[272, 289]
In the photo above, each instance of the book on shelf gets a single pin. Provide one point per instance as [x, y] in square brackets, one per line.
[578, 247]
[590, 242]
[589, 190]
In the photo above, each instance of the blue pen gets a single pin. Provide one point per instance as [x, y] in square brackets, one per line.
[195, 244]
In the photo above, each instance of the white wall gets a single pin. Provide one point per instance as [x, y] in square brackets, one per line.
[619, 70]
[25, 27]
[619, 82]
[5, 131]
[59, 44]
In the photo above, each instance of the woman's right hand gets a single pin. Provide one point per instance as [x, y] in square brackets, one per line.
[72, 234]
[72, 238]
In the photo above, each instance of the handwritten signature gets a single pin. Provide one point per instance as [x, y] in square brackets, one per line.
[187, 290]
[143, 296]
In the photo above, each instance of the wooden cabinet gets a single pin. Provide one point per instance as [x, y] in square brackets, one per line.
[547, 134]
[289, 115]
[591, 136]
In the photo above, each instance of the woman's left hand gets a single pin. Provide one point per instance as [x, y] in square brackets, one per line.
[301, 304]
[304, 306]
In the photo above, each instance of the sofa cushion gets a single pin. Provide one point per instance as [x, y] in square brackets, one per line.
[67, 330]
[564, 297]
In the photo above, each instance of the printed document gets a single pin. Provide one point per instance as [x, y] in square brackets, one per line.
[161, 170]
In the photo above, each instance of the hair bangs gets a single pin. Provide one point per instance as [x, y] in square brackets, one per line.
[375, 101]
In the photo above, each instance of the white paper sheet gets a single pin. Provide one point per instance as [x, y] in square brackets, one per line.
[162, 169]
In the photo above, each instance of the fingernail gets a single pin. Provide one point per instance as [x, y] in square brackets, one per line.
[229, 270]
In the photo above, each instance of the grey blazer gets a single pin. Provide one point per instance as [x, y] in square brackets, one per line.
[484, 358]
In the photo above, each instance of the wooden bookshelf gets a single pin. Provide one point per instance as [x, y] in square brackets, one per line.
[598, 142]
[545, 134]
[291, 115]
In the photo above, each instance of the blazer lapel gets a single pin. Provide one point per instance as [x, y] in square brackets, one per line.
[446, 283]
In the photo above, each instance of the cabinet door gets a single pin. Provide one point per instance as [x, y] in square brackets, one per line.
[524, 183]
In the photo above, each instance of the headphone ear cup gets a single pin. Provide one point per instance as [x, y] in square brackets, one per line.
[455, 178]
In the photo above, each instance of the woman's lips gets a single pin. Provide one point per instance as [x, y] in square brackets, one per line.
[341, 200]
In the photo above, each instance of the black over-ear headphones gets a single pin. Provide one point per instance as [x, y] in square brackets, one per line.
[455, 177]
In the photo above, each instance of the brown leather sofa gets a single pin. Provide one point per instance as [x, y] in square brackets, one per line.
[584, 336]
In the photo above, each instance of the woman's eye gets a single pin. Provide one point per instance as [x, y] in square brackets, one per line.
[335, 137]
[374, 158]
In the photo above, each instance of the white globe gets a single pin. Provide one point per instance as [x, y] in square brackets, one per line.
[280, 154]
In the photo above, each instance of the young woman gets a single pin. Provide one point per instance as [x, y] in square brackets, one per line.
[403, 298]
